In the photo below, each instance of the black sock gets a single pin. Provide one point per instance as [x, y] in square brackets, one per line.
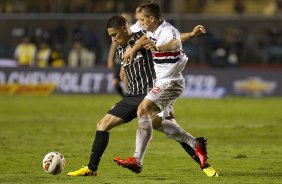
[119, 89]
[98, 148]
[191, 152]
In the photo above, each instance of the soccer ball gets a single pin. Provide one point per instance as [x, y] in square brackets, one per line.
[53, 162]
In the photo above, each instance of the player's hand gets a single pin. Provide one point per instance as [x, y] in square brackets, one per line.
[149, 45]
[129, 55]
[199, 29]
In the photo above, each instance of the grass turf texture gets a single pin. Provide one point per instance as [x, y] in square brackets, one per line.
[244, 140]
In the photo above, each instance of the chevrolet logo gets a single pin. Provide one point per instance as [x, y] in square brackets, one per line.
[255, 86]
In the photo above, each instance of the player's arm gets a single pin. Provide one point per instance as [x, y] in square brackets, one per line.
[111, 56]
[199, 29]
[123, 77]
[172, 45]
[130, 52]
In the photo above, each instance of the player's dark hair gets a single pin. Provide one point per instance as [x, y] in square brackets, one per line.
[151, 9]
[116, 21]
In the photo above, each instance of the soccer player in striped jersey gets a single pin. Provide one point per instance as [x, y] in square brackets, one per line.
[111, 63]
[140, 75]
[168, 64]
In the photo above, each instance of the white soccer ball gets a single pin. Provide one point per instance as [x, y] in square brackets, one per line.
[53, 162]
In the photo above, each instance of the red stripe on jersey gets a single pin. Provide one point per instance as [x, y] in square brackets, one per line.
[166, 54]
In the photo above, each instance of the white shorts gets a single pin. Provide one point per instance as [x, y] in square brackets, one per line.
[165, 93]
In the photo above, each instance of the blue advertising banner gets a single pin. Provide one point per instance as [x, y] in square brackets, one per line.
[215, 83]
[200, 83]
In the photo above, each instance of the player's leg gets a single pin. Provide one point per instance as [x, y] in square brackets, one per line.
[145, 111]
[102, 138]
[171, 128]
[174, 131]
[121, 113]
[195, 147]
[143, 136]
[99, 145]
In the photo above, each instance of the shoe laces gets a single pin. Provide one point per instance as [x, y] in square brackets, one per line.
[130, 159]
[88, 172]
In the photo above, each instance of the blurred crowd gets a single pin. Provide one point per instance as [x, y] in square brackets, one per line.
[237, 47]
[266, 7]
[45, 48]
[67, 6]
[84, 46]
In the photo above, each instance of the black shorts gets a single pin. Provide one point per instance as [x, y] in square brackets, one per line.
[116, 70]
[126, 109]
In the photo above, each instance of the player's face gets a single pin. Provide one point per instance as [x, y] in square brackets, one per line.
[145, 21]
[138, 19]
[118, 35]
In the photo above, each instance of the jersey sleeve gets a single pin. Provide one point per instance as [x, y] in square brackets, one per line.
[167, 35]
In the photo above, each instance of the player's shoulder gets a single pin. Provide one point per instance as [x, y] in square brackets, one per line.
[166, 26]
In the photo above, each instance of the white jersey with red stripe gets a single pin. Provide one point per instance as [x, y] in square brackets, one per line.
[168, 65]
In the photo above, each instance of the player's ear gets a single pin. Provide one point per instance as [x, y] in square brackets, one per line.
[124, 28]
[152, 19]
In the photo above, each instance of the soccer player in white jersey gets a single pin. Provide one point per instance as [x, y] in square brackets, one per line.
[169, 61]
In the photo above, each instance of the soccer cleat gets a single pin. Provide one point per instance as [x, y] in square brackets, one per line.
[84, 171]
[129, 163]
[201, 151]
[210, 171]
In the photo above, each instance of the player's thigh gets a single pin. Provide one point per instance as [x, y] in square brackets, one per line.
[108, 122]
[126, 109]
[173, 91]
[166, 92]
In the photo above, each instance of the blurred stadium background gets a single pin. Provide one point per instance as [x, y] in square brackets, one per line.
[241, 54]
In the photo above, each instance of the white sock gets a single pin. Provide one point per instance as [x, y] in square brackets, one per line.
[143, 137]
[174, 131]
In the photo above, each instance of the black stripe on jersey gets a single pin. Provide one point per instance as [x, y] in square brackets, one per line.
[159, 61]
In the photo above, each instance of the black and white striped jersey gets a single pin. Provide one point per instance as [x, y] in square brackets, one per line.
[140, 73]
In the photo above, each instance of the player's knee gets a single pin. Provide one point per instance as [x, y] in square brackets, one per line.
[100, 126]
[103, 125]
[142, 111]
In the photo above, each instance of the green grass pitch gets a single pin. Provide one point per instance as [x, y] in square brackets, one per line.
[244, 140]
